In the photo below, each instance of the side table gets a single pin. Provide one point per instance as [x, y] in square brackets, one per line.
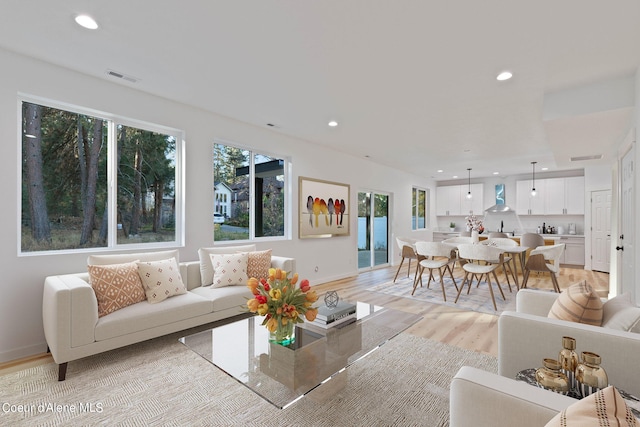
[529, 376]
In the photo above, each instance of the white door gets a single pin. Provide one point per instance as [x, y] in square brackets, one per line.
[600, 230]
[625, 241]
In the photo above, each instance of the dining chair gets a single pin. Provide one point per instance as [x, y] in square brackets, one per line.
[504, 243]
[544, 259]
[484, 254]
[531, 240]
[407, 251]
[454, 242]
[438, 256]
[497, 235]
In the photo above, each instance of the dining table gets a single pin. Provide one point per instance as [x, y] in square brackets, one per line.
[517, 252]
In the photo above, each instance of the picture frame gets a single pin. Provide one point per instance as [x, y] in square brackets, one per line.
[323, 208]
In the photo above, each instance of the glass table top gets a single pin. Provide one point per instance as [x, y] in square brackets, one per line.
[281, 375]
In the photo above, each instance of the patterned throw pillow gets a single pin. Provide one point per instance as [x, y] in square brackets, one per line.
[603, 408]
[161, 279]
[259, 263]
[229, 269]
[206, 269]
[116, 286]
[578, 303]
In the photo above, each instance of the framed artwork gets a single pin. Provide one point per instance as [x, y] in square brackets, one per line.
[323, 209]
[499, 194]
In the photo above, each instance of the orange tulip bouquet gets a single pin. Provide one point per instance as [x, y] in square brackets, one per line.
[283, 303]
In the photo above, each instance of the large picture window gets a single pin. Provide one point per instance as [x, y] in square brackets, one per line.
[419, 208]
[68, 160]
[249, 194]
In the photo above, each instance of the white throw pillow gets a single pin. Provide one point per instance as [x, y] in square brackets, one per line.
[206, 269]
[620, 313]
[161, 279]
[229, 269]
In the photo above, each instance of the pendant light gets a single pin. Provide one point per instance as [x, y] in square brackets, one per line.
[469, 181]
[533, 174]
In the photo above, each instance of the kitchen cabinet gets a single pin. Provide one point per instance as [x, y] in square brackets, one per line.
[555, 196]
[526, 204]
[564, 196]
[452, 200]
[573, 250]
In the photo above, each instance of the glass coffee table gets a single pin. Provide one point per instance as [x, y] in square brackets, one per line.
[282, 375]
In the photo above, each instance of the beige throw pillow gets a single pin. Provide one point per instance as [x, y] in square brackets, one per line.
[161, 279]
[116, 286]
[229, 269]
[206, 269]
[578, 303]
[258, 264]
[603, 408]
[619, 313]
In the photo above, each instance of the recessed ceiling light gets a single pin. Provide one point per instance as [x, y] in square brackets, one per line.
[505, 75]
[440, 171]
[455, 176]
[87, 22]
[544, 169]
[496, 173]
[333, 123]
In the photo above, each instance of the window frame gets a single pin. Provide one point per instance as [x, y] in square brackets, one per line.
[113, 120]
[415, 203]
[287, 190]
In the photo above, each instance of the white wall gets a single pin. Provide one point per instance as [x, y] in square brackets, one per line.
[21, 332]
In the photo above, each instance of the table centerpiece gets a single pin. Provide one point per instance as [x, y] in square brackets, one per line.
[283, 303]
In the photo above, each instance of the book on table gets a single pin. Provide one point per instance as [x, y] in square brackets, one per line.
[328, 314]
[344, 320]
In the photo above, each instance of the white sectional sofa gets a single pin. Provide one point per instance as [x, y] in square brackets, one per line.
[525, 337]
[73, 329]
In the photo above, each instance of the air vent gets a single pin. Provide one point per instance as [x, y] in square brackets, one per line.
[581, 158]
[122, 76]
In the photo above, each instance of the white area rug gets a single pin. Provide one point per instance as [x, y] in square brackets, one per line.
[478, 299]
[161, 382]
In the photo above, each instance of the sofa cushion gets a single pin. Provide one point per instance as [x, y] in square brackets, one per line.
[229, 269]
[116, 286]
[206, 269]
[603, 408]
[122, 258]
[258, 264]
[161, 279]
[226, 297]
[620, 313]
[143, 316]
[578, 303]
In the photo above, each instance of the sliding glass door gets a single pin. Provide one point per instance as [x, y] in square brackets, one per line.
[373, 229]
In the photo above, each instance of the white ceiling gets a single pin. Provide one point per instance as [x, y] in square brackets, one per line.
[412, 83]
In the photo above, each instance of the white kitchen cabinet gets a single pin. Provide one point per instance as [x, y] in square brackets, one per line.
[448, 200]
[573, 250]
[555, 196]
[452, 200]
[574, 195]
[526, 204]
[564, 196]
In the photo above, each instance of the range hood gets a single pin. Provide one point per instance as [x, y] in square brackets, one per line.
[499, 209]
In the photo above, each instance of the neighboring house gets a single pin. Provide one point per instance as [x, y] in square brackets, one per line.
[222, 199]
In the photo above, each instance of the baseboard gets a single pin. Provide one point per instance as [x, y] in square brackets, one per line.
[23, 352]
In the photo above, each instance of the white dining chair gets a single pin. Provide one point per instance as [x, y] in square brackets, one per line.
[438, 256]
[479, 265]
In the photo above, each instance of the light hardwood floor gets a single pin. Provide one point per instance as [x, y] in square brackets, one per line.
[466, 329]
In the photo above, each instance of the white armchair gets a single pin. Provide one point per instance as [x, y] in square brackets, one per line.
[525, 337]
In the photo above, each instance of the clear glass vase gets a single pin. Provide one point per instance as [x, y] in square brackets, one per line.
[284, 334]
